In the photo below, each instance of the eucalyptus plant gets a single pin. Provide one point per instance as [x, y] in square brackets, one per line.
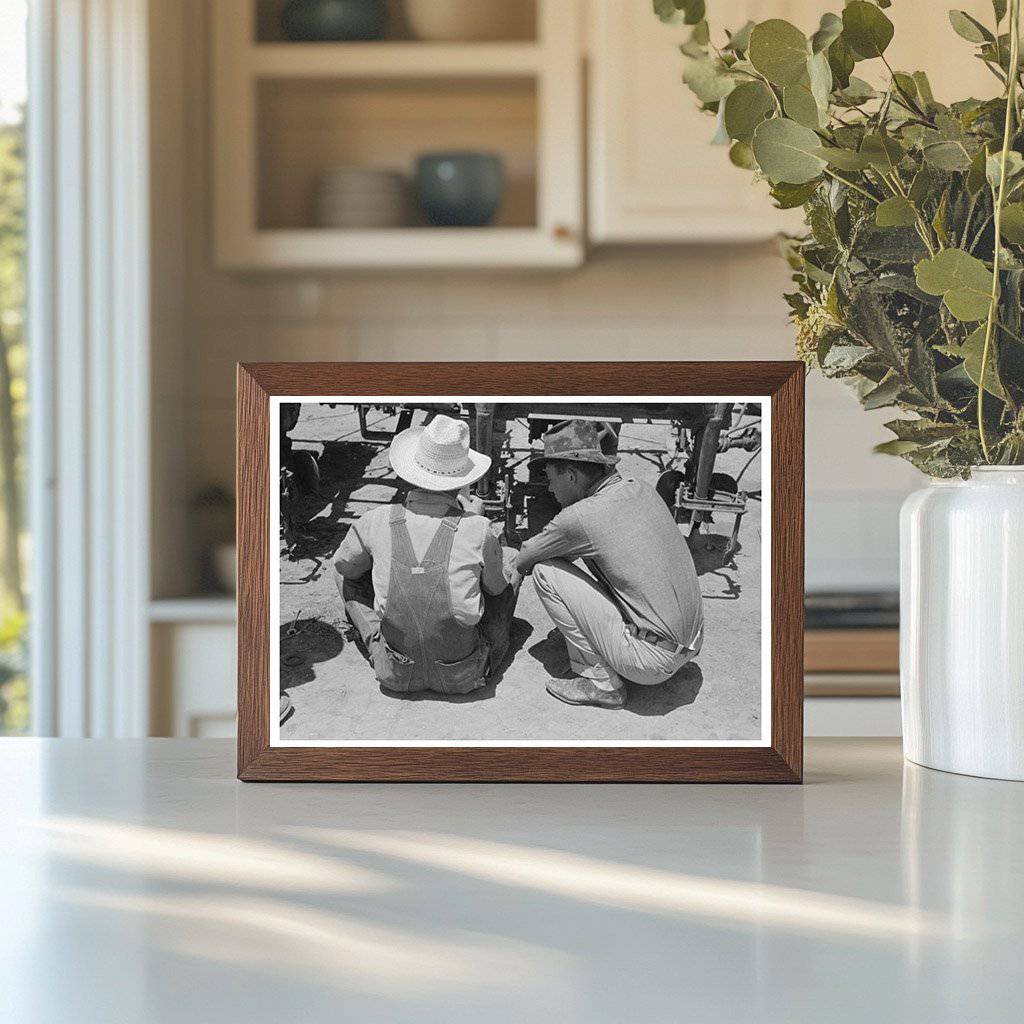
[910, 277]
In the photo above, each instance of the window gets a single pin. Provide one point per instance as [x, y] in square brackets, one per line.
[14, 693]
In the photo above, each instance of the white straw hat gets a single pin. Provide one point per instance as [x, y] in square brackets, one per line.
[437, 457]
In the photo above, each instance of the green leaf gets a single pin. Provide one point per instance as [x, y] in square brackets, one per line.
[786, 151]
[819, 75]
[741, 155]
[693, 10]
[801, 106]
[866, 29]
[841, 63]
[779, 51]
[922, 185]
[739, 41]
[843, 358]
[895, 447]
[701, 34]
[976, 173]
[924, 88]
[844, 159]
[858, 91]
[947, 156]
[788, 196]
[905, 84]
[883, 152]
[1012, 223]
[999, 9]
[829, 30]
[895, 212]
[969, 28]
[707, 78]
[963, 281]
[923, 431]
[939, 220]
[666, 10]
[971, 352]
[993, 167]
[745, 108]
[690, 12]
[885, 394]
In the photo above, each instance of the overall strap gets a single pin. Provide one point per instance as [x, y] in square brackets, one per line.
[401, 543]
[440, 549]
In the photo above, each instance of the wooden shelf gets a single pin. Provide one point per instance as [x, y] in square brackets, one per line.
[393, 60]
[318, 248]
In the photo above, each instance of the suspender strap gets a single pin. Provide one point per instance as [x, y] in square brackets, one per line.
[440, 549]
[401, 543]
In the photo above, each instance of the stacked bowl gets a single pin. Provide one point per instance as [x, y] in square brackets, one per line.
[362, 197]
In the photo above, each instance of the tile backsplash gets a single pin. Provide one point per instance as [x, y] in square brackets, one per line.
[708, 303]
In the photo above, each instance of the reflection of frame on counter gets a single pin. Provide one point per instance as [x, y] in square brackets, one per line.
[538, 394]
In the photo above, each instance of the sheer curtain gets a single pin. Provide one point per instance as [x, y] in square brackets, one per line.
[88, 284]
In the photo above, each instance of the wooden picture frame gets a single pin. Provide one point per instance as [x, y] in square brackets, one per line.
[779, 759]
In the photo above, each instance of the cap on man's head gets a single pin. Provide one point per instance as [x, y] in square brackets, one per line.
[591, 441]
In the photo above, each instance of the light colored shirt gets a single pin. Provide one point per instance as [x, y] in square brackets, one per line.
[475, 563]
[629, 541]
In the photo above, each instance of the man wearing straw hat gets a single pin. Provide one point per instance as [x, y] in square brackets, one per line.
[424, 582]
[637, 615]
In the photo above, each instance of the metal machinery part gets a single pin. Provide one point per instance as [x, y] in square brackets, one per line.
[688, 482]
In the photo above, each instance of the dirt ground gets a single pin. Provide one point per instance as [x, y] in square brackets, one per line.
[333, 689]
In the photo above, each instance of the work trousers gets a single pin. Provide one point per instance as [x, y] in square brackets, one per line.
[495, 624]
[601, 646]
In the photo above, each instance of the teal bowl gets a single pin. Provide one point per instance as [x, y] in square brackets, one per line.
[461, 190]
[334, 21]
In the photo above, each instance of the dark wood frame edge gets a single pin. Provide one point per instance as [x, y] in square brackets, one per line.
[781, 762]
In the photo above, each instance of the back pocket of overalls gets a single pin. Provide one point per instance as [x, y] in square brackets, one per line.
[464, 675]
[393, 669]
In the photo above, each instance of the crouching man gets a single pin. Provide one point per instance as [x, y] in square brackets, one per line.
[636, 615]
[425, 583]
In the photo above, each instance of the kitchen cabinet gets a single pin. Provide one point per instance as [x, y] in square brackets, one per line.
[654, 177]
[288, 114]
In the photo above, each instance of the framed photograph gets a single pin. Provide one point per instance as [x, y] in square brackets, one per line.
[520, 571]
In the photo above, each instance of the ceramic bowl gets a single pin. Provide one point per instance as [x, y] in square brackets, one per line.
[460, 189]
[471, 20]
[358, 197]
[332, 21]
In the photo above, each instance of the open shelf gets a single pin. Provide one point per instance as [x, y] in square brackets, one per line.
[308, 127]
[287, 114]
[392, 60]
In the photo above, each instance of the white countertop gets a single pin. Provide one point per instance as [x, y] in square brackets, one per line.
[140, 882]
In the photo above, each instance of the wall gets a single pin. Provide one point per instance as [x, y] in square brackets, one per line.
[651, 303]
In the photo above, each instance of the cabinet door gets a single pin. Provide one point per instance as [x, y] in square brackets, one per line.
[654, 176]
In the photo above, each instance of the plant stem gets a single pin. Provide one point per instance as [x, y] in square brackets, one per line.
[1011, 108]
[853, 185]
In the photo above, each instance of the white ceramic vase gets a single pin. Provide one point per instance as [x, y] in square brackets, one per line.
[962, 624]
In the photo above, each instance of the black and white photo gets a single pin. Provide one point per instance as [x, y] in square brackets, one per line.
[508, 571]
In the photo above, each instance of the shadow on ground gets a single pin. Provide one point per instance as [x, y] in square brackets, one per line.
[708, 550]
[521, 631]
[305, 643]
[312, 520]
[676, 692]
